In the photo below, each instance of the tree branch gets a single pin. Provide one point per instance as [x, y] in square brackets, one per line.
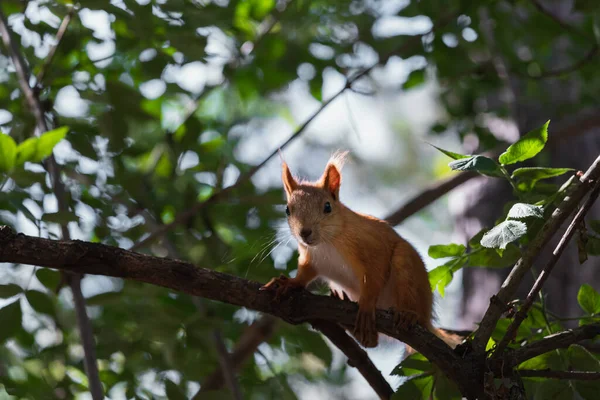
[226, 367]
[548, 373]
[590, 55]
[62, 29]
[260, 331]
[83, 322]
[357, 357]
[561, 340]
[428, 196]
[498, 303]
[302, 306]
[541, 279]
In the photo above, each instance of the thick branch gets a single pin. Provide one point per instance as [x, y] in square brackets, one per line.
[509, 287]
[541, 279]
[93, 258]
[567, 375]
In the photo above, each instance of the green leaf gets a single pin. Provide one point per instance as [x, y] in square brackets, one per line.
[446, 250]
[441, 276]
[26, 151]
[530, 175]
[595, 225]
[9, 290]
[445, 389]
[454, 156]
[40, 302]
[481, 164]
[174, 391]
[554, 390]
[48, 277]
[47, 141]
[581, 359]
[522, 210]
[11, 317]
[60, 217]
[588, 299]
[502, 234]
[8, 153]
[316, 87]
[409, 390]
[489, 258]
[526, 147]
[415, 78]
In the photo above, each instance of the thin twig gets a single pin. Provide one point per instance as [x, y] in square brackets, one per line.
[541, 279]
[257, 333]
[551, 374]
[559, 21]
[226, 367]
[590, 55]
[498, 302]
[52, 168]
[428, 196]
[62, 29]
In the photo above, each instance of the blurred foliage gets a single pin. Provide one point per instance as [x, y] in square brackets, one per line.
[145, 142]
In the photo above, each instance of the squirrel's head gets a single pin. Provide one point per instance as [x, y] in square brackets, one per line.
[313, 207]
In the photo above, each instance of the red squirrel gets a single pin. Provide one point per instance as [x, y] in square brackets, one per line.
[359, 254]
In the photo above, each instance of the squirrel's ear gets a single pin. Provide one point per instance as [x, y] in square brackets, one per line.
[289, 183]
[332, 180]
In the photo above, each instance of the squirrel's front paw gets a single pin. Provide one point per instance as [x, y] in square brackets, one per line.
[281, 285]
[364, 329]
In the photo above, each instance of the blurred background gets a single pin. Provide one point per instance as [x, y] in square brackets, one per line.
[170, 101]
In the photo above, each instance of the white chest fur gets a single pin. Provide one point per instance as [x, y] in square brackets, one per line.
[331, 266]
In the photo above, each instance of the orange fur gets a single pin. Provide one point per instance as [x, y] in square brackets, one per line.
[361, 254]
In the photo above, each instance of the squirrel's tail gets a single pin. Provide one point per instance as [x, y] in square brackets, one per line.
[452, 339]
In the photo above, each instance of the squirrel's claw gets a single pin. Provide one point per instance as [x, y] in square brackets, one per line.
[364, 328]
[280, 284]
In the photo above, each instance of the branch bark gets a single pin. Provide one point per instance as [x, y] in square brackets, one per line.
[541, 279]
[299, 307]
[498, 302]
[551, 374]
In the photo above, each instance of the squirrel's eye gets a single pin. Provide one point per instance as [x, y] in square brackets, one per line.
[327, 208]
[287, 211]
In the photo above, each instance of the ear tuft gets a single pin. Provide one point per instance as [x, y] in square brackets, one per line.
[289, 183]
[332, 177]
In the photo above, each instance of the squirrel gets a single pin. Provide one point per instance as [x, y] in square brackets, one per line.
[359, 255]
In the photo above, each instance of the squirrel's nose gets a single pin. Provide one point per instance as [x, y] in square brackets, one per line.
[305, 233]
